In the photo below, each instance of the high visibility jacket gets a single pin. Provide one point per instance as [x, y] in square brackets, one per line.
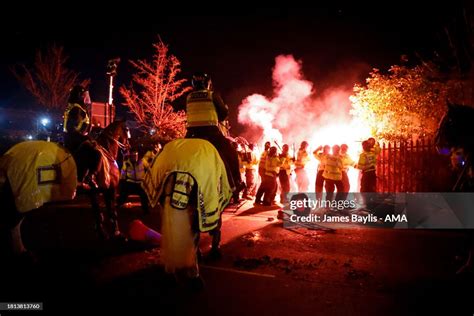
[302, 158]
[321, 157]
[367, 161]
[333, 167]
[286, 162]
[133, 172]
[82, 123]
[347, 161]
[263, 159]
[241, 161]
[272, 166]
[200, 109]
[250, 161]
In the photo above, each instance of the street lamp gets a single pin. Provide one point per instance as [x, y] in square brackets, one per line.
[45, 121]
[112, 72]
[42, 129]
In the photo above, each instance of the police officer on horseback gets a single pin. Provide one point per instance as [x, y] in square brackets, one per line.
[206, 118]
[76, 118]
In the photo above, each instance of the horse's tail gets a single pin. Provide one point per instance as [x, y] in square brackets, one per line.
[178, 249]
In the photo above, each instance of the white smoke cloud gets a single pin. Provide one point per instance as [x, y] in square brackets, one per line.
[296, 112]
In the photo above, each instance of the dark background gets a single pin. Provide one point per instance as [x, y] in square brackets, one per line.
[338, 45]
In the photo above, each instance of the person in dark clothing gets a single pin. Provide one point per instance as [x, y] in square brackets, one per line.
[206, 111]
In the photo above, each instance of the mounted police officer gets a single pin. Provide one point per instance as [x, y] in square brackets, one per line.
[206, 115]
[76, 118]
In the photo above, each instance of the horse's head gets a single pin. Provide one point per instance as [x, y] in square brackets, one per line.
[122, 134]
[115, 136]
[455, 129]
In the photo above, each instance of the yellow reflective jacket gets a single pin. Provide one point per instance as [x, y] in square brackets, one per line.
[272, 166]
[81, 125]
[347, 161]
[333, 167]
[263, 159]
[302, 158]
[321, 157]
[286, 162]
[133, 172]
[367, 161]
[250, 161]
[200, 109]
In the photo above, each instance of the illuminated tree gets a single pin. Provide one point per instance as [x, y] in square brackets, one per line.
[48, 80]
[403, 104]
[154, 87]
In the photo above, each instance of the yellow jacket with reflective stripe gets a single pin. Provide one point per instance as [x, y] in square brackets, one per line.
[200, 109]
[321, 157]
[302, 158]
[272, 166]
[82, 124]
[286, 163]
[263, 159]
[133, 172]
[367, 161]
[250, 165]
[333, 167]
[347, 161]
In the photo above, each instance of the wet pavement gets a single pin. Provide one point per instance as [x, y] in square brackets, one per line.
[265, 268]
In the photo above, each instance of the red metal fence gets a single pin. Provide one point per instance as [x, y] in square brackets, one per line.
[412, 166]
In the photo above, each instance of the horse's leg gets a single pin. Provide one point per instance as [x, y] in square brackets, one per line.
[215, 252]
[109, 197]
[16, 241]
[99, 217]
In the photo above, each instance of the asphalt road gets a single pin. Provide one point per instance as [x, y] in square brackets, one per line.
[265, 270]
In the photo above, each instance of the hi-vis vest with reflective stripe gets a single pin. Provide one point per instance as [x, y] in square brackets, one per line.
[272, 166]
[302, 158]
[200, 109]
[133, 172]
[367, 161]
[81, 124]
[333, 167]
[322, 160]
[286, 163]
[263, 159]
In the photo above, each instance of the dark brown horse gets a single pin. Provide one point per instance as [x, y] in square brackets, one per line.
[96, 165]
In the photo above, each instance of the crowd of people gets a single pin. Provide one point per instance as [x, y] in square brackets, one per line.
[276, 168]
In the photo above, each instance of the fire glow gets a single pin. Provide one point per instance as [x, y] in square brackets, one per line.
[296, 112]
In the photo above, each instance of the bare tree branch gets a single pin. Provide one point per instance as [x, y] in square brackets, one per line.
[154, 87]
[48, 80]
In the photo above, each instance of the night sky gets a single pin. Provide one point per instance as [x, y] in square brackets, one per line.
[338, 45]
